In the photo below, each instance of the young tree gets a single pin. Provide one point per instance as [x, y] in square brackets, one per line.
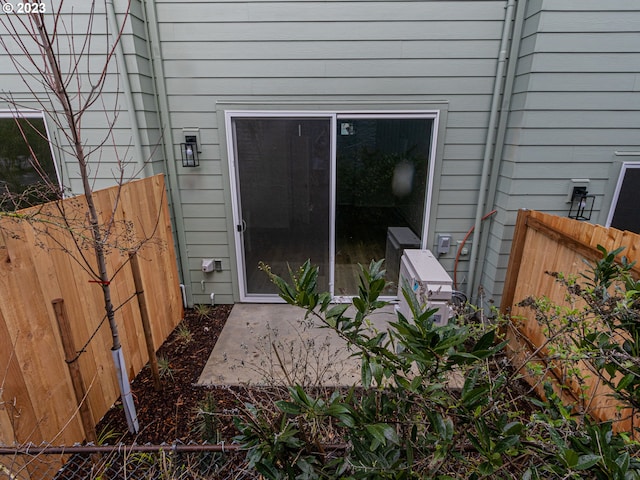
[65, 67]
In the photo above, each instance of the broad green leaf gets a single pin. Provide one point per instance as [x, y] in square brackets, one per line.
[382, 433]
[376, 371]
[513, 428]
[337, 409]
[626, 381]
[623, 461]
[359, 304]
[586, 461]
[376, 432]
[288, 407]
[570, 458]
[391, 434]
[365, 373]
[478, 395]
[337, 310]
[485, 342]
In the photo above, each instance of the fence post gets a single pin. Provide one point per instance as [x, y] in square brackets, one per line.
[146, 324]
[66, 335]
[515, 260]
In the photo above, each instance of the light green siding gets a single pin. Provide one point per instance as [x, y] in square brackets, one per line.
[576, 101]
[321, 56]
[91, 58]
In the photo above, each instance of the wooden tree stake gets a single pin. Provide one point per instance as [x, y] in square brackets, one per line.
[66, 335]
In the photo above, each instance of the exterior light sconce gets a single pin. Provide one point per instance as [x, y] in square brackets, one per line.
[189, 149]
[581, 204]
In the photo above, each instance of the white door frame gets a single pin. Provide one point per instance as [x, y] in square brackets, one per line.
[333, 116]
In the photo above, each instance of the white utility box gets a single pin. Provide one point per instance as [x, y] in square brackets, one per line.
[431, 284]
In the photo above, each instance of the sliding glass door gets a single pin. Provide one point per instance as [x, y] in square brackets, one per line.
[338, 189]
[283, 174]
[381, 185]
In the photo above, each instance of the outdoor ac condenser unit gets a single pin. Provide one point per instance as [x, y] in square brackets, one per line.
[421, 272]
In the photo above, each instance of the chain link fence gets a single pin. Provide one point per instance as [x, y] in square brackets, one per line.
[161, 462]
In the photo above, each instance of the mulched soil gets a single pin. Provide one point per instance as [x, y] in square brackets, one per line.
[168, 415]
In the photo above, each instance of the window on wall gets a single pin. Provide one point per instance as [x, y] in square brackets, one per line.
[27, 170]
[624, 207]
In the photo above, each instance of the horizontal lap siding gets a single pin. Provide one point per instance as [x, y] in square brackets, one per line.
[330, 53]
[111, 106]
[576, 101]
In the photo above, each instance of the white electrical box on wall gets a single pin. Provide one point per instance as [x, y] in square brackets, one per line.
[207, 265]
[444, 244]
[431, 284]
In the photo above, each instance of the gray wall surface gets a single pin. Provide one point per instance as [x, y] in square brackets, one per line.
[323, 56]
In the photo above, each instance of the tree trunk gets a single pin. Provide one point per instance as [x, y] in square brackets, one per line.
[73, 121]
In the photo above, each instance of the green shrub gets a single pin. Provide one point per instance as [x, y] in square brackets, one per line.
[411, 418]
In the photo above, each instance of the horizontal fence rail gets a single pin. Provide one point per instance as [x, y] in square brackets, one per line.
[134, 462]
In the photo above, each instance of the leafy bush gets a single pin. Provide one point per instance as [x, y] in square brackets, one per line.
[435, 401]
[597, 333]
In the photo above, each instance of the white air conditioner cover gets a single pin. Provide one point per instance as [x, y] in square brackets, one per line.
[431, 284]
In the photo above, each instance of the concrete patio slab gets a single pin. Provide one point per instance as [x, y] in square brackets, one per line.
[273, 344]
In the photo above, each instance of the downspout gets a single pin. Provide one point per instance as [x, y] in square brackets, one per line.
[488, 148]
[126, 87]
[159, 82]
[516, 40]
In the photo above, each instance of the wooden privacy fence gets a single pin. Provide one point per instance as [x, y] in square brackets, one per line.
[548, 243]
[37, 267]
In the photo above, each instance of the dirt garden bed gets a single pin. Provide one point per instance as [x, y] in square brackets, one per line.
[168, 415]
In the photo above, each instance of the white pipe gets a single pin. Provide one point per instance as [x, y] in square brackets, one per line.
[488, 148]
[160, 92]
[516, 38]
[183, 291]
[126, 87]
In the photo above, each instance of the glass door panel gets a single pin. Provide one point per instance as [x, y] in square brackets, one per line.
[283, 168]
[381, 187]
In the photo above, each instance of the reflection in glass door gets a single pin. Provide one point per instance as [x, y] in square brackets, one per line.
[381, 186]
[283, 176]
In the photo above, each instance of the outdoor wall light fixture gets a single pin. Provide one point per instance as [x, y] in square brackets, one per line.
[581, 204]
[189, 149]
